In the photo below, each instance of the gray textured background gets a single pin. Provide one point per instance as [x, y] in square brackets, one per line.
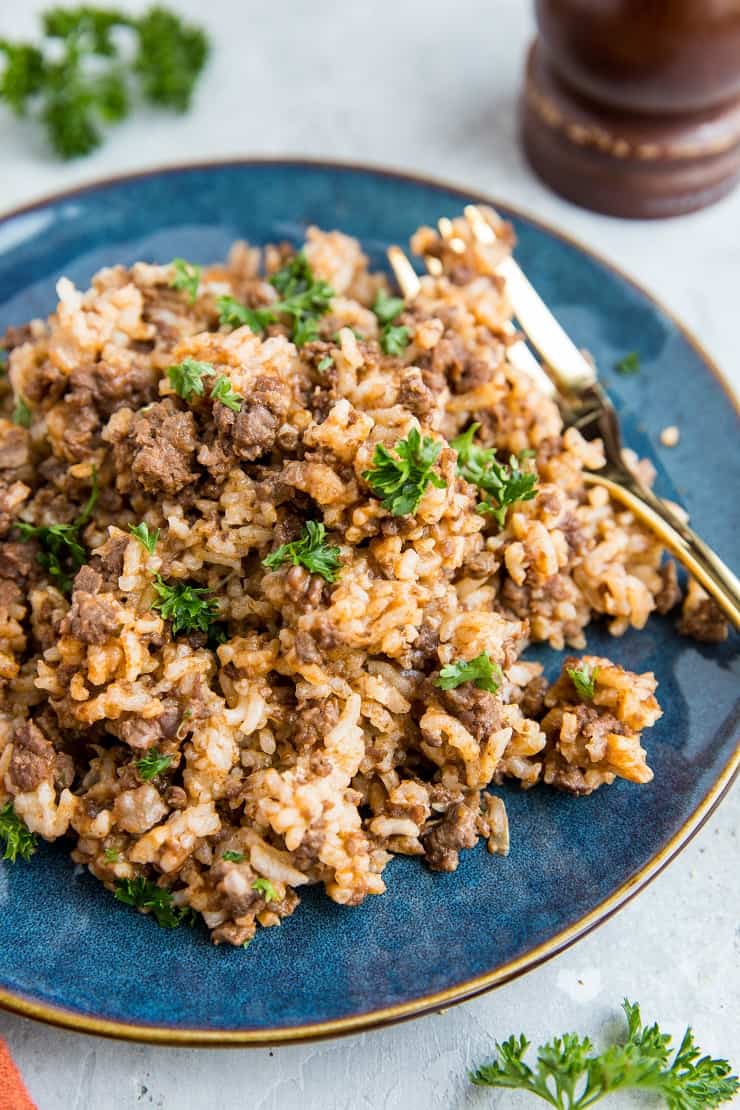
[428, 87]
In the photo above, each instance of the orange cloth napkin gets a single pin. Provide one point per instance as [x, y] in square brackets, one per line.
[13, 1094]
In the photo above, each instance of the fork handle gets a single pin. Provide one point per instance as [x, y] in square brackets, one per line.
[699, 559]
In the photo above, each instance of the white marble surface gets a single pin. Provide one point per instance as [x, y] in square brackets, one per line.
[428, 87]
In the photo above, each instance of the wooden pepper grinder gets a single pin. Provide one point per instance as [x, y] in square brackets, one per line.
[632, 107]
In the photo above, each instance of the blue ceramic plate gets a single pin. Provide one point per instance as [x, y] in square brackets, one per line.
[70, 954]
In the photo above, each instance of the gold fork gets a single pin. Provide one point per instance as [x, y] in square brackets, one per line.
[570, 377]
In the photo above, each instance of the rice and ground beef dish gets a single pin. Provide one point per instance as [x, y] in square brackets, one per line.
[273, 544]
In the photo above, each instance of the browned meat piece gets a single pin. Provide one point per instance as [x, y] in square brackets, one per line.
[91, 619]
[476, 709]
[34, 760]
[533, 699]
[414, 394]
[670, 592]
[164, 447]
[252, 431]
[16, 336]
[14, 446]
[107, 563]
[424, 648]
[16, 561]
[142, 733]
[701, 619]
[313, 724]
[456, 830]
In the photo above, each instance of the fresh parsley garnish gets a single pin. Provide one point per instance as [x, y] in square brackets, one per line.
[480, 671]
[630, 364]
[111, 855]
[233, 857]
[152, 764]
[146, 895]
[387, 308]
[85, 73]
[189, 608]
[17, 837]
[221, 391]
[186, 278]
[569, 1075]
[326, 363]
[309, 551]
[61, 553]
[218, 634]
[266, 889]
[303, 299]
[401, 479]
[21, 413]
[584, 679]
[394, 339]
[186, 377]
[504, 484]
[235, 315]
[146, 536]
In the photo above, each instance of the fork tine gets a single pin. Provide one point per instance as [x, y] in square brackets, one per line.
[570, 368]
[406, 276]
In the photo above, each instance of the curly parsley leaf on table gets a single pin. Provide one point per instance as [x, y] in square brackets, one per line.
[92, 64]
[570, 1075]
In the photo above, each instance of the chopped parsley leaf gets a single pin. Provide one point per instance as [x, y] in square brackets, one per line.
[630, 364]
[394, 339]
[189, 608]
[147, 537]
[387, 308]
[186, 377]
[152, 764]
[480, 671]
[233, 857]
[309, 551]
[266, 889]
[112, 855]
[186, 278]
[221, 391]
[19, 840]
[146, 895]
[505, 484]
[21, 413]
[61, 553]
[303, 298]
[326, 363]
[235, 315]
[401, 479]
[584, 679]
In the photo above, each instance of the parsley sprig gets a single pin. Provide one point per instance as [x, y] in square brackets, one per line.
[189, 608]
[84, 74]
[266, 889]
[152, 764]
[186, 278]
[504, 485]
[401, 479]
[481, 671]
[21, 413]
[584, 679]
[310, 551]
[303, 299]
[143, 894]
[146, 536]
[629, 364]
[222, 391]
[569, 1075]
[17, 838]
[61, 553]
[186, 377]
[394, 339]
